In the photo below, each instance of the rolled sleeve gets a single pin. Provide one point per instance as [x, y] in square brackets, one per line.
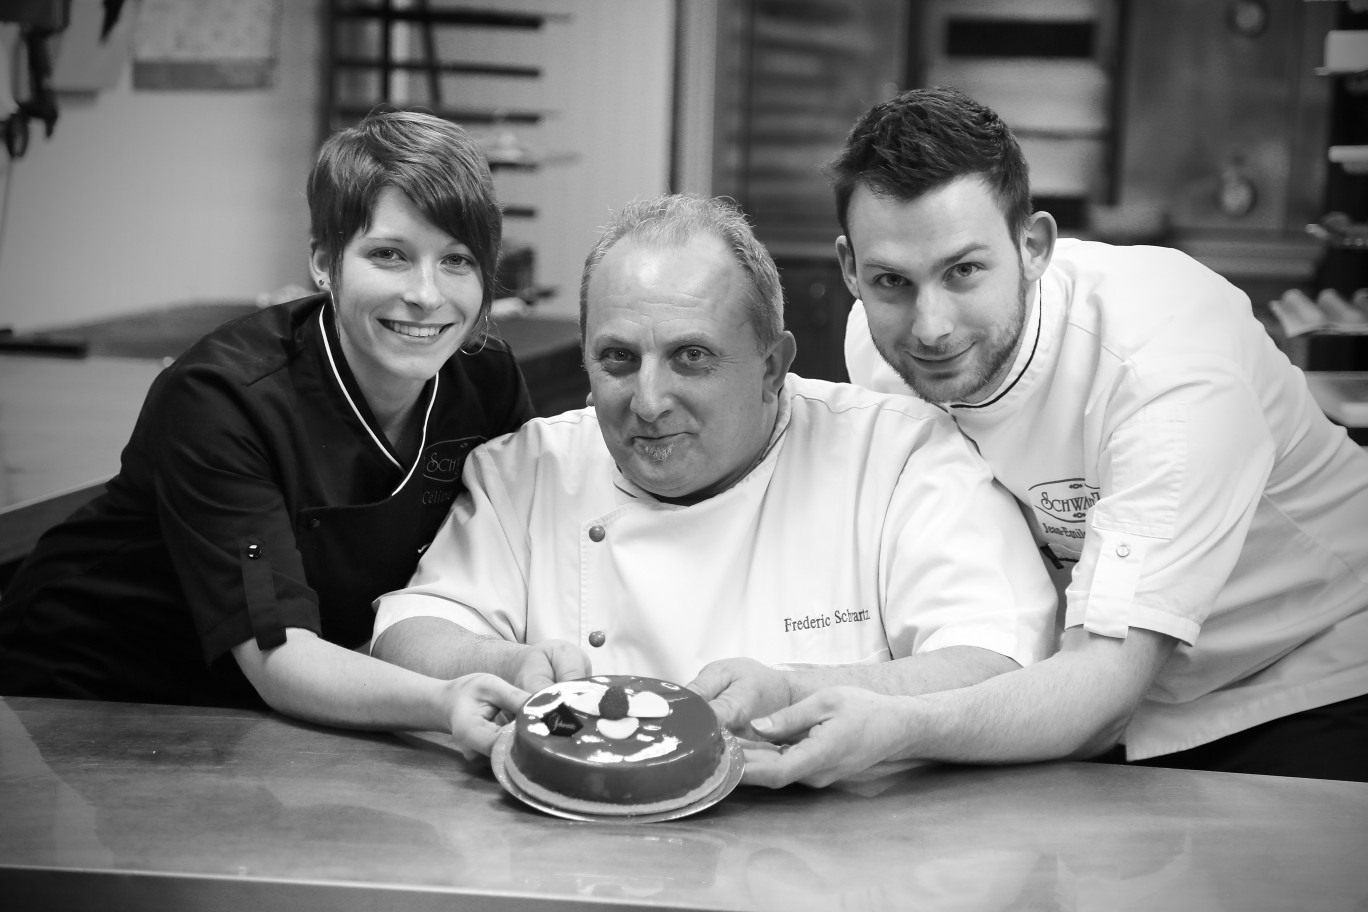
[1180, 476]
[223, 515]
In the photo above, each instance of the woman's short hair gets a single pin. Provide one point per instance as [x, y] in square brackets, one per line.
[924, 139]
[675, 219]
[432, 161]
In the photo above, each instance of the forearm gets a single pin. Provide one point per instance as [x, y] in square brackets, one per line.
[312, 679]
[928, 672]
[443, 649]
[1075, 704]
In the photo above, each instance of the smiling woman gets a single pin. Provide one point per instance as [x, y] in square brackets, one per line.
[406, 295]
[292, 465]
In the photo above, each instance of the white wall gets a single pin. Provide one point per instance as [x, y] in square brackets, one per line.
[142, 199]
[613, 83]
[606, 85]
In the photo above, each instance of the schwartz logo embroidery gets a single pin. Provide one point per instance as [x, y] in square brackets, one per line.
[441, 468]
[1069, 500]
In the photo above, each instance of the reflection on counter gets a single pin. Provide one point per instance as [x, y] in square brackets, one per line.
[231, 808]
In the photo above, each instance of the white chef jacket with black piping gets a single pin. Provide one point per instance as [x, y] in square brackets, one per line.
[870, 530]
[1177, 463]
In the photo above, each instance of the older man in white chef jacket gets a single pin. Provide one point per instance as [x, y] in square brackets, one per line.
[713, 510]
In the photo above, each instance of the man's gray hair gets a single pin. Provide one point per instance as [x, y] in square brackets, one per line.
[675, 219]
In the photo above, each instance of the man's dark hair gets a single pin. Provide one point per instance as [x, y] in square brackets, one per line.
[924, 139]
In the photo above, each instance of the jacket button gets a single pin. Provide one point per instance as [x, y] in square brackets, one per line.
[315, 523]
[253, 551]
[597, 639]
[1123, 551]
[596, 533]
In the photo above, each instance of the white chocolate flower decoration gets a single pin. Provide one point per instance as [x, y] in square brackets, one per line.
[586, 696]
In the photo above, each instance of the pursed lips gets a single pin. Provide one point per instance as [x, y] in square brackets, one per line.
[654, 439]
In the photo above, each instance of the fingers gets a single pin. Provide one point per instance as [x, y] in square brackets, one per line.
[738, 689]
[775, 767]
[507, 698]
[568, 661]
[730, 715]
[791, 722]
[535, 678]
[828, 736]
[536, 669]
[543, 664]
[711, 681]
[476, 738]
[477, 700]
[711, 684]
[492, 695]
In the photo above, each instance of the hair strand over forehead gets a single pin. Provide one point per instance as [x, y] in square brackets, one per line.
[433, 162]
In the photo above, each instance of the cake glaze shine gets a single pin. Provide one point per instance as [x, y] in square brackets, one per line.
[617, 744]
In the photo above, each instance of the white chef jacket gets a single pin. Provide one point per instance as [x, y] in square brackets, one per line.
[869, 530]
[1176, 461]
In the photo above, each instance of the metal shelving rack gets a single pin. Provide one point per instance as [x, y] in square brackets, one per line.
[389, 52]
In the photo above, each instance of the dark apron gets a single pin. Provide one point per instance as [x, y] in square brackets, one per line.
[354, 554]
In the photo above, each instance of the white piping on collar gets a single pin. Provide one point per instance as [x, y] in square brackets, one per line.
[437, 379]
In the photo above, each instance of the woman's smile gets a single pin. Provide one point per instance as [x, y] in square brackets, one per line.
[418, 331]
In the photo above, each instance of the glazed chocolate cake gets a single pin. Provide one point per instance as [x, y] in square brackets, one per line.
[617, 744]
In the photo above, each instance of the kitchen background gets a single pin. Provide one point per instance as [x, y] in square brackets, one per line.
[175, 167]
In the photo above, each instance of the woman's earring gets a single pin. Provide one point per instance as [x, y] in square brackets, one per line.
[484, 337]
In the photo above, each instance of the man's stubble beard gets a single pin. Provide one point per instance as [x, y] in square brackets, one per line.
[990, 373]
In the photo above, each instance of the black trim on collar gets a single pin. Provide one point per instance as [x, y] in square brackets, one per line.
[1040, 323]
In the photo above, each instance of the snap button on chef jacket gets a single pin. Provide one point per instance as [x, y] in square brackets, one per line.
[256, 493]
[870, 530]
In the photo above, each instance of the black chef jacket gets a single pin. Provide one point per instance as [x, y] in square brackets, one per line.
[257, 493]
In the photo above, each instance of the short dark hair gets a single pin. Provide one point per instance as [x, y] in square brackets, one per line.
[432, 161]
[677, 218]
[924, 139]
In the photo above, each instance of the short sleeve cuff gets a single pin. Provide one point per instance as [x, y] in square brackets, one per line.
[395, 607]
[237, 629]
[986, 638]
[1133, 615]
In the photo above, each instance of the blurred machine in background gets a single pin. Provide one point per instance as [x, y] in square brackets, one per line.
[1203, 126]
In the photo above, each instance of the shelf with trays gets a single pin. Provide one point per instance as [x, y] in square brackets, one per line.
[457, 62]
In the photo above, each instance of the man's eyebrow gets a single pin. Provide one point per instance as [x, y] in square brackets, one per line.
[694, 338]
[967, 250]
[604, 339]
[949, 259]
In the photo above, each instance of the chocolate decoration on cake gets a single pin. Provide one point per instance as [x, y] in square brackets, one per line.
[562, 721]
[642, 744]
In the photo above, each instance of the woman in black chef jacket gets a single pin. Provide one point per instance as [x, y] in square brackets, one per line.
[293, 465]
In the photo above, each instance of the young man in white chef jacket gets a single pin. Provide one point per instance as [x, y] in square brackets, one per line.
[1209, 524]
